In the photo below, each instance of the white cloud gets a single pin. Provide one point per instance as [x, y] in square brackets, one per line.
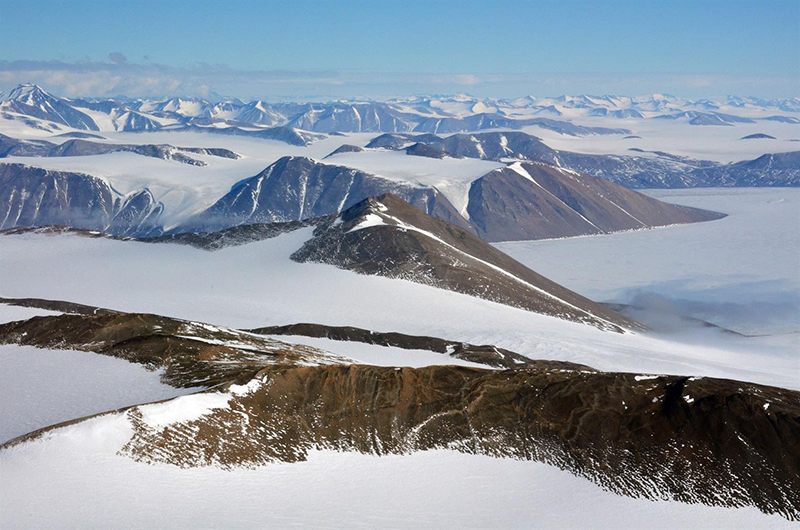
[118, 77]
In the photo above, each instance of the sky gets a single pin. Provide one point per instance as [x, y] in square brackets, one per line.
[305, 50]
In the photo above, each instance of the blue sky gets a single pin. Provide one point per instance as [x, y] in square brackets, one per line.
[378, 48]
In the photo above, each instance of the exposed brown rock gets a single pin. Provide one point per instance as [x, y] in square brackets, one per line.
[192, 354]
[714, 441]
[386, 236]
[484, 354]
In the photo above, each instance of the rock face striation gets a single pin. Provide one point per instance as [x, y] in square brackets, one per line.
[538, 201]
[522, 201]
[31, 197]
[298, 188]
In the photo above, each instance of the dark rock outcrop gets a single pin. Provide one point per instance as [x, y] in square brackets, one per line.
[388, 237]
[346, 148]
[191, 354]
[485, 354]
[537, 201]
[757, 136]
[689, 439]
[694, 440]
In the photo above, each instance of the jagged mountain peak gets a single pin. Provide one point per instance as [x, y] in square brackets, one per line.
[28, 93]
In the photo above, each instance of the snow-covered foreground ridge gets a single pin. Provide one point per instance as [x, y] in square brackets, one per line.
[697, 440]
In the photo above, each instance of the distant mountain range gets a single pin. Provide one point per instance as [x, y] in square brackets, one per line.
[78, 147]
[36, 108]
[537, 192]
[641, 169]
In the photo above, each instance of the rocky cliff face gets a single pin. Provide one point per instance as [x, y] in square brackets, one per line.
[34, 197]
[31, 197]
[298, 188]
[703, 440]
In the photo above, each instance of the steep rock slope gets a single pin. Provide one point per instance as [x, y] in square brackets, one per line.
[32, 196]
[538, 201]
[298, 188]
[388, 237]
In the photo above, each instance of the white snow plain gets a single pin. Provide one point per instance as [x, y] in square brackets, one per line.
[741, 272]
[703, 142]
[74, 478]
[40, 387]
[258, 285]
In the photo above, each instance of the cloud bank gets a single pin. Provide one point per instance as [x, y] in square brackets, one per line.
[120, 77]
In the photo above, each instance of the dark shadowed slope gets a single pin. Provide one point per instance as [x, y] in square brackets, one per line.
[388, 237]
[539, 201]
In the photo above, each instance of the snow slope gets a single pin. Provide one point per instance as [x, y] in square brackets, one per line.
[257, 285]
[46, 484]
[41, 387]
[451, 176]
[742, 271]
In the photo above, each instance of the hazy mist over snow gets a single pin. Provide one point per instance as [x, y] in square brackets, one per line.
[739, 272]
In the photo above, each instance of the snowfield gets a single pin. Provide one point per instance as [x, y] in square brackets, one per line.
[742, 272]
[716, 143]
[41, 387]
[46, 484]
[452, 176]
[258, 285]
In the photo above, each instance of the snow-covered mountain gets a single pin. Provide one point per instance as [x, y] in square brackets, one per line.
[37, 197]
[33, 102]
[639, 169]
[437, 114]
